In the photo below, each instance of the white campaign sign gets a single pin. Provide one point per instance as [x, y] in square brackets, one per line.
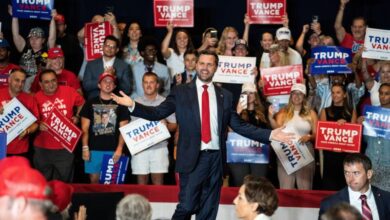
[233, 69]
[377, 44]
[15, 119]
[293, 157]
[142, 134]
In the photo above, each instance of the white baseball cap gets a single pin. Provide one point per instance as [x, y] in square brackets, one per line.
[248, 87]
[283, 33]
[299, 87]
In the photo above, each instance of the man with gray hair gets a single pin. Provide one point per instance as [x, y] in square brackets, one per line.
[133, 207]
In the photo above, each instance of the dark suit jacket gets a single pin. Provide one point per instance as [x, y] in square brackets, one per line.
[95, 67]
[183, 100]
[382, 200]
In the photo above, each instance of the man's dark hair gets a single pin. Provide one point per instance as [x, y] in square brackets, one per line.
[147, 41]
[383, 85]
[193, 51]
[47, 71]
[211, 53]
[358, 158]
[112, 38]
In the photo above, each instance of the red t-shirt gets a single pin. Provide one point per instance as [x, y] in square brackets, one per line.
[4, 74]
[349, 42]
[19, 146]
[66, 78]
[64, 99]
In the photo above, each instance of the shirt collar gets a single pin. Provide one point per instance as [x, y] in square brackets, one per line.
[158, 97]
[199, 84]
[353, 195]
[193, 72]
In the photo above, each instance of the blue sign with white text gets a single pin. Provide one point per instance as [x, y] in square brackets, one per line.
[113, 173]
[376, 122]
[330, 60]
[32, 9]
[243, 150]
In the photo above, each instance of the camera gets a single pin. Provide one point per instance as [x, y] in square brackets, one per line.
[244, 101]
[213, 34]
[315, 18]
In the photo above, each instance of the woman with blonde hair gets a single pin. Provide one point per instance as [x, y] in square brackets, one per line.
[226, 43]
[300, 119]
[277, 58]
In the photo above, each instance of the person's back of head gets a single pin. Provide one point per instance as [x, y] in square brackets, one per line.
[342, 211]
[134, 207]
[24, 192]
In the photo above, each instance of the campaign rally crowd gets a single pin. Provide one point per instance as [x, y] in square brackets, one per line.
[86, 100]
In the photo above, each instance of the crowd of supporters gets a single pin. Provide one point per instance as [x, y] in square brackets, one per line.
[52, 73]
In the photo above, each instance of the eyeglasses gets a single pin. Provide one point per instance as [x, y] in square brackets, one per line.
[110, 46]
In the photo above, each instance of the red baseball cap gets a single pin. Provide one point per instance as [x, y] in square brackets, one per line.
[22, 181]
[105, 74]
[60, 19]
[61, 194]
[55, 52]
[13, 161]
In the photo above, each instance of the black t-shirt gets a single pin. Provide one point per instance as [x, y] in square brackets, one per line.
[104, 116]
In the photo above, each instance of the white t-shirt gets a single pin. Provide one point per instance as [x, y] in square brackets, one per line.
[175, 63]
[265, 62]
[294, 56]
[374, 94]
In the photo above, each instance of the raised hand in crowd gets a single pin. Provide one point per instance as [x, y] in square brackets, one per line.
[110, 17]
[247, 25]
[165, 43]
[305, 29]
[285, 20]
[316, 27]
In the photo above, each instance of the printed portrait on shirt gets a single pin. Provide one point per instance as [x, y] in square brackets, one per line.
[104, 119]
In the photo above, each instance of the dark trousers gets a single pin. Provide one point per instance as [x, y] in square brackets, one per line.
[200, 189]
[239, 170]
[54, 164]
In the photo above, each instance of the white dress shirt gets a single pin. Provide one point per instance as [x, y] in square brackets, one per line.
[355, 201]
[108, 63]
[214, 143]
